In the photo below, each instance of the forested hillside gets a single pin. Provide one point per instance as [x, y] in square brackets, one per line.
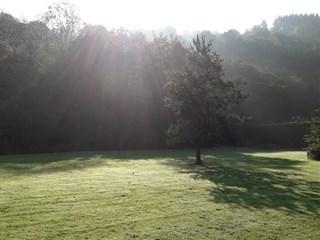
[65, 85]
[281, 66]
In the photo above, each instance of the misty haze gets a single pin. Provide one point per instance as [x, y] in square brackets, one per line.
[159, 120]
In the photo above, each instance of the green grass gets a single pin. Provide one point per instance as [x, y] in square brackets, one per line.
[238, 194]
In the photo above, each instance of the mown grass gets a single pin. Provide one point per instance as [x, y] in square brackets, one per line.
[238, 194]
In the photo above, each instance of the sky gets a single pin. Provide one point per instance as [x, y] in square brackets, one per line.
[184, 15]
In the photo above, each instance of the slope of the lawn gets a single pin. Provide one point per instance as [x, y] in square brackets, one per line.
[238, 194]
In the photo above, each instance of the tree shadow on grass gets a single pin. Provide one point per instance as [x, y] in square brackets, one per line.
[31, 164]
[257, 182]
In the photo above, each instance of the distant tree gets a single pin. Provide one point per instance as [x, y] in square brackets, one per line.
[199, 98]
[312, 139]
[10, 31]
[306, 27]
[19, 55]
[63, 24]
[264, 24]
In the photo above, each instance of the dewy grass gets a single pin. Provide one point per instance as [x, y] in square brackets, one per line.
[238, 194]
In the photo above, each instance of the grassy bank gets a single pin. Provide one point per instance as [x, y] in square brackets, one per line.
[238, 194]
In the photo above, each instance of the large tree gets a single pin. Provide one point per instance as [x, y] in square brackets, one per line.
[199, 98]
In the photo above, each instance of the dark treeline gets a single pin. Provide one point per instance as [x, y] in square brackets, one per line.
[69, 86]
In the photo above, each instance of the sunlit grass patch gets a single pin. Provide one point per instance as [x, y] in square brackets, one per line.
[238, 194]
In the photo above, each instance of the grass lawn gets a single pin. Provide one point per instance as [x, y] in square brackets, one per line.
[239, 194]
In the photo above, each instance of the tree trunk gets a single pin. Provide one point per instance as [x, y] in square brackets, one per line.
[198, 156]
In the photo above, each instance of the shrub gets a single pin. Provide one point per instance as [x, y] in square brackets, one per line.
[312, 138]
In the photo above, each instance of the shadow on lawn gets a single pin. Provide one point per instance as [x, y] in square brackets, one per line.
[48, 163]
[258, 182]
[16, 165]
